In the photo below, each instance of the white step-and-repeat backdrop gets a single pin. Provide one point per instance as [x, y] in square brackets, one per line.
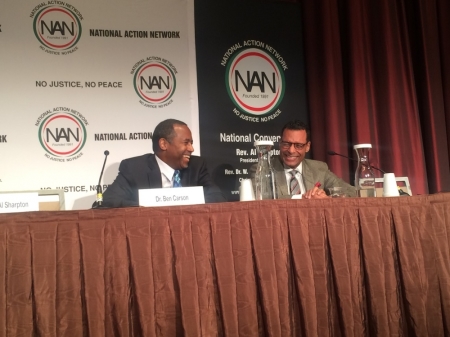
[82, 77]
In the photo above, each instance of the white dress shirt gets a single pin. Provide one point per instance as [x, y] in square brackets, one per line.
[166, 173]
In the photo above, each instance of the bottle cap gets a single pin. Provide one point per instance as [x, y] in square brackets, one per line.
[362, 146]
[262, 142]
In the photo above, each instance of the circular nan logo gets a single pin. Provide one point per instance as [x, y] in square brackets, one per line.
[62, 134]
[255, 81]
[155, 82]
[57, 28]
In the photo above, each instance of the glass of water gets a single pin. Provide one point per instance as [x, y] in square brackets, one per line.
[336, 192]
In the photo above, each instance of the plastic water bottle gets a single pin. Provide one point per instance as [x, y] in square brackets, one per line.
[364, 177]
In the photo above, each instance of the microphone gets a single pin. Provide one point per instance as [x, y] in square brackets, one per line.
[99, 201]
[332, 153]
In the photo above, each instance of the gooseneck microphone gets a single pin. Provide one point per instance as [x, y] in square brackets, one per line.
[99, 201]
[332, 153]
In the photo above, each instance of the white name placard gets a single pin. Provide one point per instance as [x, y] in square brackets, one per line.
[19, 202]
[171, 196]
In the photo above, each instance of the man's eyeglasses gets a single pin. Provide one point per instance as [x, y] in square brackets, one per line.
[287, 145]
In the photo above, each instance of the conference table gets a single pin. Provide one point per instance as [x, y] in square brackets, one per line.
[335, 267]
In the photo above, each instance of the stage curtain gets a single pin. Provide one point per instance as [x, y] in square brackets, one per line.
[378, 72]
[336, 267]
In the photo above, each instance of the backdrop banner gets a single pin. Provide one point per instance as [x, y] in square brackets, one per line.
[79, 78]
[250, 77]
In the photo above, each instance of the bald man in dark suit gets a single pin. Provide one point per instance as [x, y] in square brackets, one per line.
[171, 165]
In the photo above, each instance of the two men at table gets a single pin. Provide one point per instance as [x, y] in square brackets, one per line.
[295, 174]
[171, 165]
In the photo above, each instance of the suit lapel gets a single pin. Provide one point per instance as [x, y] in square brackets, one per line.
[184, 177]
[153, 173]
[308, 175]
[280, 176]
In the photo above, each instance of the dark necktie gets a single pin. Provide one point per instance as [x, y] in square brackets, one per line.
[176, 178]
[293, 183]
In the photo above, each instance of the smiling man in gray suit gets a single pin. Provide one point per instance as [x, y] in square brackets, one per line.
[296, 175]
[171, 165]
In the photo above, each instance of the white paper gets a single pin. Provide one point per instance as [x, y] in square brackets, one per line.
[154, 197]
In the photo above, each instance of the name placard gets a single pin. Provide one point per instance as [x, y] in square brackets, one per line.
[19, 202]
[171, 196]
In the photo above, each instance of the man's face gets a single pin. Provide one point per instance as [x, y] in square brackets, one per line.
[179, 149]
[290, 155]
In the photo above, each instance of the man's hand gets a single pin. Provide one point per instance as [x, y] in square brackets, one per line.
[315, 193]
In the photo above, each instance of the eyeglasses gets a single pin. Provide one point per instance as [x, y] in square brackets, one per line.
[287, 145]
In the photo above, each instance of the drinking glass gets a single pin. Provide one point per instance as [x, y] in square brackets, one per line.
[336, 192]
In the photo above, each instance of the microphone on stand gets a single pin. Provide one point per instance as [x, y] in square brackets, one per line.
[99, 201]
[332, 153]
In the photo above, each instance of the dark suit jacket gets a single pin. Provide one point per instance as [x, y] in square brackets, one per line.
[143, 172]
[313, 171]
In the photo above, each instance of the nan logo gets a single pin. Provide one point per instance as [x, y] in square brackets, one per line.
[254, 80]
[57, 27]
[62, 134]
[154, 81]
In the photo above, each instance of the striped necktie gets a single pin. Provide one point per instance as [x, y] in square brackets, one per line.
[176, 178]
[293, 183]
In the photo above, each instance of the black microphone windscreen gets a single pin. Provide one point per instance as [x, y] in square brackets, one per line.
[331, 153]
[106, 153]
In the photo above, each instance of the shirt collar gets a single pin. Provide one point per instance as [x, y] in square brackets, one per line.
[165, 169]
[299, 168]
